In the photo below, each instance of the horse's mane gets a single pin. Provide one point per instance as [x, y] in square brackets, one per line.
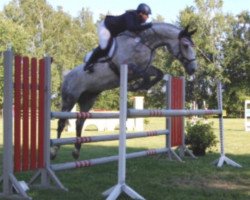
[171, 30]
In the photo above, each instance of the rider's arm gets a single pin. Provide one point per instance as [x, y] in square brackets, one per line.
[134, 25]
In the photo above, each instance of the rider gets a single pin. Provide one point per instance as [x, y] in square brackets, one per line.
[133, 20]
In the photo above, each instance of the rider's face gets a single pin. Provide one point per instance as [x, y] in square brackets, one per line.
[143, 17]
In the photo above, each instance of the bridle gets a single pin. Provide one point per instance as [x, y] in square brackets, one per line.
[180, 55]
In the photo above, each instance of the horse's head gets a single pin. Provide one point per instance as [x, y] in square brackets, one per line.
[184, 50]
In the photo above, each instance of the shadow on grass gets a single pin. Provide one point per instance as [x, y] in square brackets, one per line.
[155, 177]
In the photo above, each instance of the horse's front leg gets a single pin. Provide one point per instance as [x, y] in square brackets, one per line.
[152, 76]
[144, 79]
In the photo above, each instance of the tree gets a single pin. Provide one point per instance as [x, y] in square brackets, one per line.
[236, 65]
[54, 33]
[11, 36]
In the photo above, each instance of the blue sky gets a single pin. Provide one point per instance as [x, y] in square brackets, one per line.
[169, 9]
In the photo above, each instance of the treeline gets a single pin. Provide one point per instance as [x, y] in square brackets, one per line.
[35, 28]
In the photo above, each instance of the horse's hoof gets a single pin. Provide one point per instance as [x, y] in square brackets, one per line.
[75, 154]
[53, 154]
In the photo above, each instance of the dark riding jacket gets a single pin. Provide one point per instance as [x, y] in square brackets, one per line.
[128, 21]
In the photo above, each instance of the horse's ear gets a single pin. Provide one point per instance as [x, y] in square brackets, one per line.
[192, 32]
[186, 33]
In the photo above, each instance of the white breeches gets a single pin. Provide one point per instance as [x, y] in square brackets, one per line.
[103, 35]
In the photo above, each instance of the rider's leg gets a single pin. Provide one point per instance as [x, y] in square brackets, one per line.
[104, 35]
[104, 38]
[97, 52]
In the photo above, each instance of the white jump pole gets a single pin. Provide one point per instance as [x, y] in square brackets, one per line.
[101, 138]
[103, 160]
[10, 183]
[115, 191]
[223, 159]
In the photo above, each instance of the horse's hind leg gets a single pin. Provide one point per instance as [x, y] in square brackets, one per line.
[66, 107]
[86, 101]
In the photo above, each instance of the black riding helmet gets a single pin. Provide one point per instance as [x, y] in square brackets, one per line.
[144, 8]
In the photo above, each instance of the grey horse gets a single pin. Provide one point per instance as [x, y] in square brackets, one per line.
[135, 49]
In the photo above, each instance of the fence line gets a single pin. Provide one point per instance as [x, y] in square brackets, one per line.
[41, 160]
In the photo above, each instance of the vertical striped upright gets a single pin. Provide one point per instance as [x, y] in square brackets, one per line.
[177, 102]
[29, 76]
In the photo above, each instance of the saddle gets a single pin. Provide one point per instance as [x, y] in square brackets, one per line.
[106, 54]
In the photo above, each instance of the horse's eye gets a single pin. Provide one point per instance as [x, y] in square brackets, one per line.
[185, 45]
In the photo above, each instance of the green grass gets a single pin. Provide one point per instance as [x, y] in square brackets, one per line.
[156, 177]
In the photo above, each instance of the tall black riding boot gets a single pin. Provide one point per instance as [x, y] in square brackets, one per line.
[97, 53]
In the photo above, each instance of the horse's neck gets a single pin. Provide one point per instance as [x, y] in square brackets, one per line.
[166, 30]
[160, 34]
